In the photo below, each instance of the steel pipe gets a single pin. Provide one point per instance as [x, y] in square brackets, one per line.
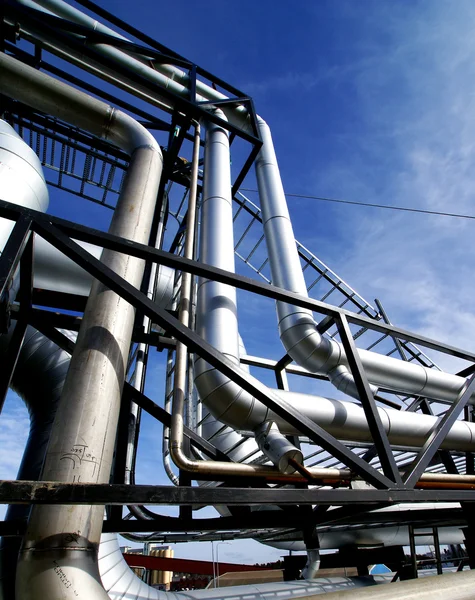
[59, 553]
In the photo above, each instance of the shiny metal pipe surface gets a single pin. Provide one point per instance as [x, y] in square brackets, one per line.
[216, 303]
[39, 374]
[59, 554]
[21, 176]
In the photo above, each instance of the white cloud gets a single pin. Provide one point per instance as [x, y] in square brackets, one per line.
[415, 106]
[14, 428]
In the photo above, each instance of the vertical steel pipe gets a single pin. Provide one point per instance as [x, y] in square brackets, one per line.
[59, 553]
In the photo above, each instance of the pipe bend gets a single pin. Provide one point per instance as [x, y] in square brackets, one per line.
[45, 93]
[126, 133]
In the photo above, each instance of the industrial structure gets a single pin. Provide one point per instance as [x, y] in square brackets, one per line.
[94, 108]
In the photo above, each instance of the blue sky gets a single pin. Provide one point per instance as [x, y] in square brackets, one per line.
[367, 101]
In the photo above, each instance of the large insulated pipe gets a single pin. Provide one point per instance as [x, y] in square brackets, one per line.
[217, 323]
[216, 190]
[456, 586]
[217, 313]
[64, 540]
[21, 175]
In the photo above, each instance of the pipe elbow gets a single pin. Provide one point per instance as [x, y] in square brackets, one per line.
[306, 346]
[313, 564]
[277, 447]
[117, 578]
[68, 574]
[127, 133]
[226, 401]
[344, 381]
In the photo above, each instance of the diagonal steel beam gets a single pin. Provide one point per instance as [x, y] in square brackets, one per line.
[380, 437]
[445, 456]
[13, 252]
[112, 242]
[437, 435]
[196, 344]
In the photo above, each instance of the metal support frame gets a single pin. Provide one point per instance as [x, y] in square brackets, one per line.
[444, 455]
[469, 456]
[210, 354]
[270, 523]
[412, 546]
[438, 435]
[112, 242]
[52, 230]
[50, 492]
[413, 534]
[84, 40]
[380, 437]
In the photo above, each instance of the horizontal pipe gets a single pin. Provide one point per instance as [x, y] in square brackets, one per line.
[160, 75]
[56, 272]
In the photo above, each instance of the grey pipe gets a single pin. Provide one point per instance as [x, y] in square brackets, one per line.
[456, 586]
[310, 571]
[216, 314]
[39, 374]
[55, 271]
[21, 175]
[64, 540]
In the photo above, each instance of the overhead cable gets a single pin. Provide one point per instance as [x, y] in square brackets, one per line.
[355, 203]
